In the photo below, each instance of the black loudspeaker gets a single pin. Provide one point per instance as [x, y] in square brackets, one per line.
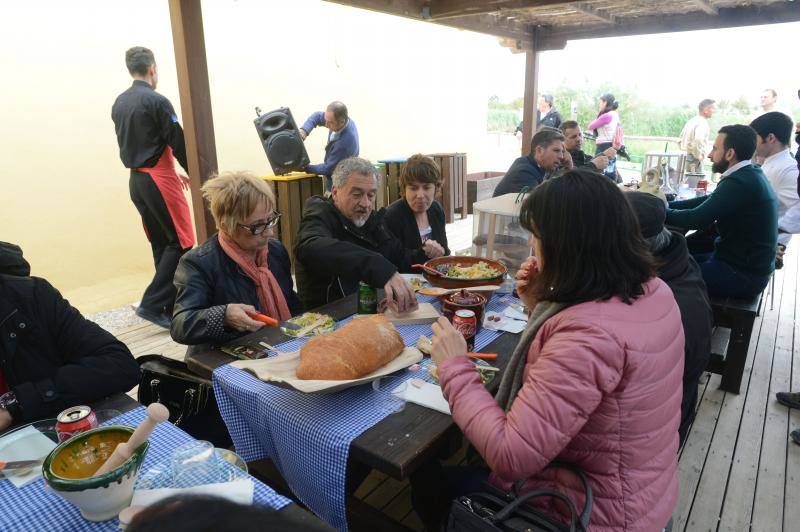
[281, 140]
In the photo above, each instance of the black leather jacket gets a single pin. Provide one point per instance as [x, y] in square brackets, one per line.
[207, 280]
[51, 356]
[333, 255]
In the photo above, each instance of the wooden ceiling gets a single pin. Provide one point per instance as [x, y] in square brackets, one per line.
[549, 24]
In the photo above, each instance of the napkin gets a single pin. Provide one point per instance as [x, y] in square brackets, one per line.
[422, 393]
[25, 444]
[506, 323]
[239, 490]
[515, 314]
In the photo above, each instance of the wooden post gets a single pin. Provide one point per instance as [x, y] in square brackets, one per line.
[190, 60]
[531, 96]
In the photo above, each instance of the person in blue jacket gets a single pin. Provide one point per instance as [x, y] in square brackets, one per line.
[342, 138]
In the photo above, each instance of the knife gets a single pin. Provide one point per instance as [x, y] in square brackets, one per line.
[20, 464]
[263, 318]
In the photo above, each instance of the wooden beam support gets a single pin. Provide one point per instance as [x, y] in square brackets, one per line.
[706, 6]
[530, 98]
[190, 59]
[443, 9]
[404, 8]
[492, 25]
[586, 9]
[727, 17]
[482, 23]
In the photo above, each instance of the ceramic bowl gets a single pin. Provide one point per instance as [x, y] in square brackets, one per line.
[98, 498]
[443, 263]
[464, 300]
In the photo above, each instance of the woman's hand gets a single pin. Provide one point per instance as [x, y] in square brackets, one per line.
[526, 274]
[447, 342]
[237, 317]
[433, 249]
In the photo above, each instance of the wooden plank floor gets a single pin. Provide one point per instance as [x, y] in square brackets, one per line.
[738, 470]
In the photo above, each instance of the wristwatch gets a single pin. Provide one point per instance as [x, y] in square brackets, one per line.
[8, 402]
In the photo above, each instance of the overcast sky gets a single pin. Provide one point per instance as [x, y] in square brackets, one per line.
[674, 67]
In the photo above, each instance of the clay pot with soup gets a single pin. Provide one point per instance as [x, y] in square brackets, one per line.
[463, 300]
[69, 472]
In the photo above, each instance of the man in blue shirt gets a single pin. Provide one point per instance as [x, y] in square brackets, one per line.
[342, 138]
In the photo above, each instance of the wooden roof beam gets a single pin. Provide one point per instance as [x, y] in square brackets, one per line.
[443, 9]
[493, 25]
[728, 17]
[585, 9]
[403, 8]
[482, 23]
[706, 6]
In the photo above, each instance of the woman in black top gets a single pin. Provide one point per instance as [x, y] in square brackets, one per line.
[416, 218]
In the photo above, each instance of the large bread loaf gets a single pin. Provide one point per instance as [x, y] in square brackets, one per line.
[355, 350]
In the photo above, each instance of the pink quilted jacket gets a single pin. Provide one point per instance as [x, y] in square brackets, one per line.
[602, 389]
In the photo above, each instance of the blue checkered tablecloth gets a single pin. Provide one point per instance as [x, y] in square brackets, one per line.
[34, 508]
[308, 436]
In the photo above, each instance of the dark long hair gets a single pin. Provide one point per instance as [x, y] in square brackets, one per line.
[611, 103]
[591, 244]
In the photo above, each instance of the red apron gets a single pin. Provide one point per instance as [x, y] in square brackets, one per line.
[169, 184]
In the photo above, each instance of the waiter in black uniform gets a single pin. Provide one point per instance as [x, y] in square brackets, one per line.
[150, 139]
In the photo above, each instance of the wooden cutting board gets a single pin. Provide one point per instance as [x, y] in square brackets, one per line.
[425, 313]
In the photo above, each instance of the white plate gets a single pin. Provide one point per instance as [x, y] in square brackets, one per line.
[33, 441]
[283, 369]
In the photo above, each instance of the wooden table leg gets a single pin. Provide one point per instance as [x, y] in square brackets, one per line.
[490, 236]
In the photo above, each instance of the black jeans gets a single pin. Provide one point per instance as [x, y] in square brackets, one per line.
[159, 296]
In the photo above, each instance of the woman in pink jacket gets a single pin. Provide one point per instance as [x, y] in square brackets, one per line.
[596, 378]
[606, 124]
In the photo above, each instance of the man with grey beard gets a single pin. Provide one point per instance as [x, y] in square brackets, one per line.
[341, 242]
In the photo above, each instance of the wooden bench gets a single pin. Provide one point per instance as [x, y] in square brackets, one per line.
[736, 315]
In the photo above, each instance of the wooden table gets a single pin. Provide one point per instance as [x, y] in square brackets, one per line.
[487, 213]
[391, 187]
[291, 192]
[453, 192]
[399, 443]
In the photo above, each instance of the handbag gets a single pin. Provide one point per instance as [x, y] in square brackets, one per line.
[493, 510]
[188, 397]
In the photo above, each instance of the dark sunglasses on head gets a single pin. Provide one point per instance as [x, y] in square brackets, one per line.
[260, 227]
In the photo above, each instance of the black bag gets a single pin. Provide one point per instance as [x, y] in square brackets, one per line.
[189, 398]
[492, 510]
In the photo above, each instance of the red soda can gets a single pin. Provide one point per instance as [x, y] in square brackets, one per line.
[702, 185]
[466, 323]
[73, 421]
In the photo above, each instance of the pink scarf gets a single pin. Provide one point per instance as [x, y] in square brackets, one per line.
[270, 295]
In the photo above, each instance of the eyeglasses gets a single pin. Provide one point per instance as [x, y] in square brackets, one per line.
[260, 227]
